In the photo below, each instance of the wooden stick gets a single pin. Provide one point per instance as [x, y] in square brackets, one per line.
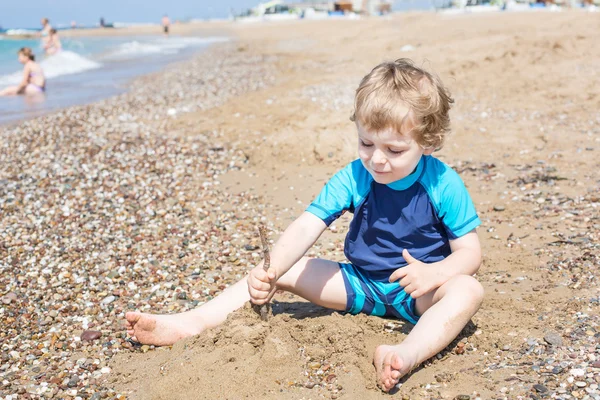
[264, 309]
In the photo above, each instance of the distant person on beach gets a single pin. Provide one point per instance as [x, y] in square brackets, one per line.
[46, 27]
[33, 81]
[165, 22]
[52, 44]
[412, 246]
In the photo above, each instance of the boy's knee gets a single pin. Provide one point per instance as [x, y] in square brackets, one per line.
[469, 286]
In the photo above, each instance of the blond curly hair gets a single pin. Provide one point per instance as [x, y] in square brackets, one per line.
[383, 96]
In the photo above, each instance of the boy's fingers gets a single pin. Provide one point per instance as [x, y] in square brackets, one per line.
[409, 259]
[398, 274]
[404, 281]
[261, 276]
[257, 295]
[271, 273]
[261, 286]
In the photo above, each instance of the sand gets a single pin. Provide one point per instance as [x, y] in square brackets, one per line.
[526, 136]
[526, 115]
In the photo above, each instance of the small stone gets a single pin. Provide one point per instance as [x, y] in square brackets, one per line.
[557, 370]
[73, 381]
[580, 384]
[309, 385]
[9, 297]
[462, 397]
[553, 338]
[90, 335]
[577, 372]
[145, 348]
[108, 299]
[596, 364]
[499, 208]
[113, 274]
[540, 388]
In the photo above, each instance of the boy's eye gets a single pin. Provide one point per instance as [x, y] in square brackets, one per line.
[366, 144]
[396, 151]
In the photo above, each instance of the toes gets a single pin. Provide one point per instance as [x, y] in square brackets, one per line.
[132, 317]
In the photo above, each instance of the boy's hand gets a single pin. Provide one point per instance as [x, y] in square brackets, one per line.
[417, 278]
[261, 284]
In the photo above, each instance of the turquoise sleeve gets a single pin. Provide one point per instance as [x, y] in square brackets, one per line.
[345, 191]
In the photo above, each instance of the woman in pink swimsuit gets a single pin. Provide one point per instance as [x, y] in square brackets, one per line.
[33, 81]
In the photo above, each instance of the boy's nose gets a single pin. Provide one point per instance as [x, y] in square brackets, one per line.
[378, 157]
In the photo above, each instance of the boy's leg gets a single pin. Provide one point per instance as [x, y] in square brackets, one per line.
[319, 281]
[444, 313]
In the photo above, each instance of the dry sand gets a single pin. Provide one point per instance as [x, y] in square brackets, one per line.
[526, 137]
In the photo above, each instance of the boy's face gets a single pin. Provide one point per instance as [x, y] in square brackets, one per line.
[389, 155]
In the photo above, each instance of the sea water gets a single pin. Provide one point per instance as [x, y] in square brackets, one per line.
[88, 69]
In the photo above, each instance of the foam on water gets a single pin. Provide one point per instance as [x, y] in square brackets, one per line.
[137, 48]
[63, 63]
[12, 32]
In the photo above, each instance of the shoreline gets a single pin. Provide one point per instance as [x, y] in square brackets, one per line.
[122, 204]
[161, 63]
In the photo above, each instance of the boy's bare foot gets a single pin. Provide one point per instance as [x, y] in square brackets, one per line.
[161, 330]
[391, 364]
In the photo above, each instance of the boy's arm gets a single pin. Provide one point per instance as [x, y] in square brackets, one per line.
[418, 278]
[289, 248]
[465, 258]
[299, 236]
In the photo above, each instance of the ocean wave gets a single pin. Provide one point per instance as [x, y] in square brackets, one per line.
[164, 46]
[62, 63]
[12, 32]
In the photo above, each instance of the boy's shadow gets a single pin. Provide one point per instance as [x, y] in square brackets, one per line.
[301, 309]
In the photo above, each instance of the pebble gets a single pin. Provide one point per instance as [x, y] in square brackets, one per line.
[540, 388]
[90, 335]
[577, 372]
[553, 338]
[9, 298]
[108, 299]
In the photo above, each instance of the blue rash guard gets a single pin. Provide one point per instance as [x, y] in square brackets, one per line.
[421, 213]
